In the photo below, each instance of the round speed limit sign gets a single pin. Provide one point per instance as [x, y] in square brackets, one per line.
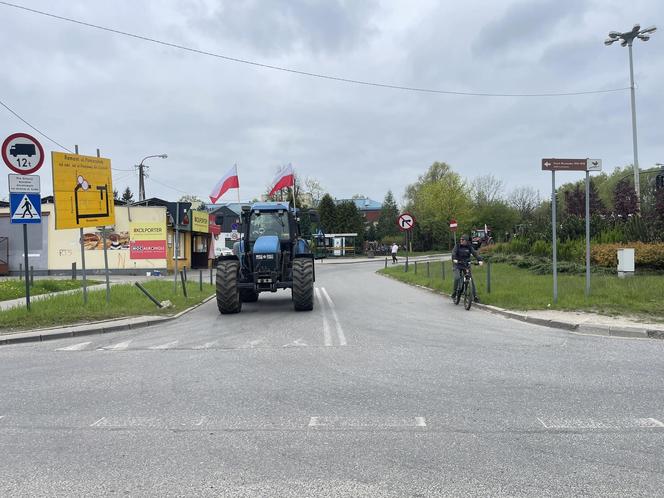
[22, 153]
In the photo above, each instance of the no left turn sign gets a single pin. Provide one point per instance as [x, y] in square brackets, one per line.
[406, 222]
[22, 153]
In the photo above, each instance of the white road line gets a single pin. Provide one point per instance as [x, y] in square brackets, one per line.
[251, 344]
[296, 343]
[75, 347]
[421, 421]
[200, 422]
[168, 345]
[653, 420]
[95, 424]
[1, 417]
[340, 331]
[313, 421]
[326, 325]
[207, 345]
[540, 421]
[120, 346]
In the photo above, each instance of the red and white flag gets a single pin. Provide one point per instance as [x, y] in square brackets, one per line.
[228, 181]
[285, 177]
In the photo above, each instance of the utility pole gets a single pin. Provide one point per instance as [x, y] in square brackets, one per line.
[141, 175]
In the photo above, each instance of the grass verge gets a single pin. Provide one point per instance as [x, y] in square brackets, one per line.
[14, 289]
[126, 301]
[519, 289]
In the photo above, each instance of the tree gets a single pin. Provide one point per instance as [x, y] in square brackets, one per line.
[350, 220]
[327, 211]
[624, 199]
[313, 187]
[115, 194]
[127, 196]
[387, 220]
[486, 189]
[524, 200]
[196, 202]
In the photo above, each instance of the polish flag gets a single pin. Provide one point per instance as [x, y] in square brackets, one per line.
[228, 181]
[285, 177]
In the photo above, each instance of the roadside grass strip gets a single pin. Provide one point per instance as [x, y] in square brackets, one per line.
[126, 301]
[518, 289]
[15, 289]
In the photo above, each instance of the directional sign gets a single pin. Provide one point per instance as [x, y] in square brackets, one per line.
[24, 183]
[22, 153]
[554, 164]
[453, 225]
[405, 222]
[83, 191]
[24, 208]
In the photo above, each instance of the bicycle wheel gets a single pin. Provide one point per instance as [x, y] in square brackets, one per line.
[460, 290]
[468, 295]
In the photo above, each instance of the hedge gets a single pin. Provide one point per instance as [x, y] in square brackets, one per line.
[646, 255]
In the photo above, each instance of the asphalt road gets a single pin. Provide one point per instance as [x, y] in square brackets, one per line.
[382, 390]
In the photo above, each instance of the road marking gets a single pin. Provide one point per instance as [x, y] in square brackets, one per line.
[207, 345]
[603, 423]
[656, 422]
[165, 346]
[367, 422]
[326, 325]
[340, 331]
[1, 417]
[95, 424]
[120, 346]
[75, 347]
[251, 344]
[296, 343]
[200, 422]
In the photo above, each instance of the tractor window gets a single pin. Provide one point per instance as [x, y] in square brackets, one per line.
[269, 223]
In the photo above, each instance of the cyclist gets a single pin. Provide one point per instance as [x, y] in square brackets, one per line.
[461, 255]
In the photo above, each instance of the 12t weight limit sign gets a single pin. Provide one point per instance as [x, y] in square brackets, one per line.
[406, 222]
[22, 153]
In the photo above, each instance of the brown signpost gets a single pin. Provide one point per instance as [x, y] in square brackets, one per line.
[564, 164]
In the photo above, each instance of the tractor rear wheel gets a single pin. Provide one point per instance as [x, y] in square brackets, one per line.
[248, 296]
[228, 295]
[303, 284]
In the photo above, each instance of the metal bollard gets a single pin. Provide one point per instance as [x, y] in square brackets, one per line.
[184, 284]
[405, 267]
[32, 276]
[428, 271]
[184, 269]
[488, 277]
[20, 272]
[73, 270]
[415, 267]
[211, 275]
[200, 281]
[385, 261]
[442, 265]
[150, 296]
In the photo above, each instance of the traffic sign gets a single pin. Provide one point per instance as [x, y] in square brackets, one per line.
[29, 184]
[22, 153]
[406, 222]
[453, 225]
[553, 164]
[24, 208]
[83, 191]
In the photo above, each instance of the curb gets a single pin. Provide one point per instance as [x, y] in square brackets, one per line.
[574, 328]
[102, 327]
[432, 257]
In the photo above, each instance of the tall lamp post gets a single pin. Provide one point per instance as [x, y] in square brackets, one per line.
[141, 175]
[626, 40]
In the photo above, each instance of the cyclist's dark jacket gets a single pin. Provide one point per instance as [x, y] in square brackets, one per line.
[463, 253]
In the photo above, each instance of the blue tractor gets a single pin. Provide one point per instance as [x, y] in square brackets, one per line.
[270, 256]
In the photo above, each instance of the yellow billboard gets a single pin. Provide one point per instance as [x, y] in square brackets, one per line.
[200, 221]
[82, 191]
[147, 230]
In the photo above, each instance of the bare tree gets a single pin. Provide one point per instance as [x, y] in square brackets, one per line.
[525, 200]
[486, 189]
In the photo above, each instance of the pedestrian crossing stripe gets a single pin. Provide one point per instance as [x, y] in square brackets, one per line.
[26, 210]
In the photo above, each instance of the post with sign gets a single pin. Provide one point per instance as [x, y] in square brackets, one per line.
[106, 275]
[406, 223]
[24, 155]
[554, 165]
[453, 227]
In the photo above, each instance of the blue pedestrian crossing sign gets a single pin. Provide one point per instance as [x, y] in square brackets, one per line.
[24, 208]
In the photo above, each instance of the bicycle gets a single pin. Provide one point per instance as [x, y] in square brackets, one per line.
[466, 286]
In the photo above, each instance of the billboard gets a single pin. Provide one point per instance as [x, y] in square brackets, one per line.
[82, 191]
[200, 221]
[147, 240]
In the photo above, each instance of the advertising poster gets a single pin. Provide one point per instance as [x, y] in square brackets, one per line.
[147, 240]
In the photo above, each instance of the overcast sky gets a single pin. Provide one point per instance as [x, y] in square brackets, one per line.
[132, 98]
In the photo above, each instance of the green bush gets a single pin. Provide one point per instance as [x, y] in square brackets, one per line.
[541, 249]
[572, 250]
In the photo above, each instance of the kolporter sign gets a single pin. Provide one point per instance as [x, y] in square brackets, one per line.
[147, 240]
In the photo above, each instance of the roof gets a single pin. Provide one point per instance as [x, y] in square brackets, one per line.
[269, 206]
[233, 206]
[363, 204]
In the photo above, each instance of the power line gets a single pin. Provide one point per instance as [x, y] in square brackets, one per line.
[33, 127]
[169, 186]
[306, 73]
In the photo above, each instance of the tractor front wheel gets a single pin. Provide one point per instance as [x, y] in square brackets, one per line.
[303, 284]
[228, 294]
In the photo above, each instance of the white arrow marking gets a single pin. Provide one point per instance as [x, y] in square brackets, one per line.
[296, 343]
[165, 346]
[75, 347]
[116, 347]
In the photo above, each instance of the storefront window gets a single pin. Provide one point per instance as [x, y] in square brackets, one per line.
[200, 243]
[180, 245]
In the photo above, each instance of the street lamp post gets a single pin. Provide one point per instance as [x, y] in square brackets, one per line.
[626, 40]
[141, 175]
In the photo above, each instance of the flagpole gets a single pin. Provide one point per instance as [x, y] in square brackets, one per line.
[294, 203]
[238, 186]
